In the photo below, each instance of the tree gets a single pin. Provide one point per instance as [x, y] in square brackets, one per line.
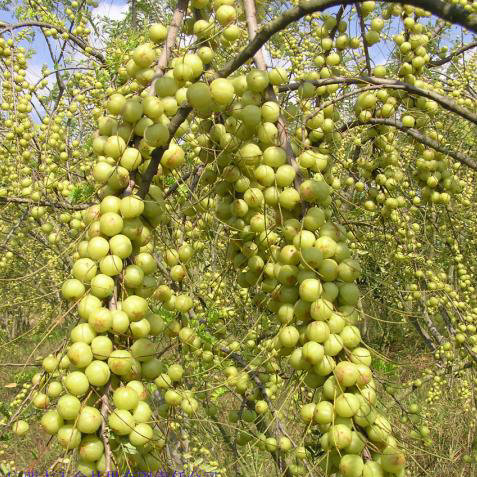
[234, 206]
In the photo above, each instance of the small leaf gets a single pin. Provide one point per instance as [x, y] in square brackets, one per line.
[129, 448]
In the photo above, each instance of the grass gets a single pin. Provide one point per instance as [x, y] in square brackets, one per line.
[34, 450]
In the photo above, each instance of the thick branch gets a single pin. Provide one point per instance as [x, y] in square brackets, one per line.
[431, 325]
[252, 27]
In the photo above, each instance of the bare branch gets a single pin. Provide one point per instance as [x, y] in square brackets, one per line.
[104, 430]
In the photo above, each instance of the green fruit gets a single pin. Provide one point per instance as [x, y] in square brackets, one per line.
[125, 397]
[98, 373]
[76, 383]
[69, 437]
[392, 460]
[88, 421]
[20, 427]
[51, 422]
[351, 465]
[121, 422]
[141, 434]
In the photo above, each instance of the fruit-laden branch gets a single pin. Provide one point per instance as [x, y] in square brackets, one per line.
[363, 35]
[12, 231]
[239, 360]
[451, 13]
[54, 72]
[172, 32]
[181, 115]
[416, 135]
[251, 17]
[455, 53]
[157, 153]
[443, 101]
[70, 29]
[448, 322]
[59, 80]
[78, 41]
[56, 205]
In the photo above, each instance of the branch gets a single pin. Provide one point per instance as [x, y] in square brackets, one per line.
[56, 205]
[133, 8]
[443, 101]
[184, 177]
[431, 325]
[172, 32]
[157, 153]
[252, 27]
[238, 359]
[22, 218]
[448, 58]
[78, 41]
[336, 99]
[54, 72]
[251, 16]
[451, 13]
[416, 135]
[363, 34]
[450, 327]
[59, 80]
[104, 430]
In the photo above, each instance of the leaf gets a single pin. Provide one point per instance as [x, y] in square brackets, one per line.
[129, 448]
[11, 385]
[218, 392]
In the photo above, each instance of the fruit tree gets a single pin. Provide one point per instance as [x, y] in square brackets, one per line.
[239, 237]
